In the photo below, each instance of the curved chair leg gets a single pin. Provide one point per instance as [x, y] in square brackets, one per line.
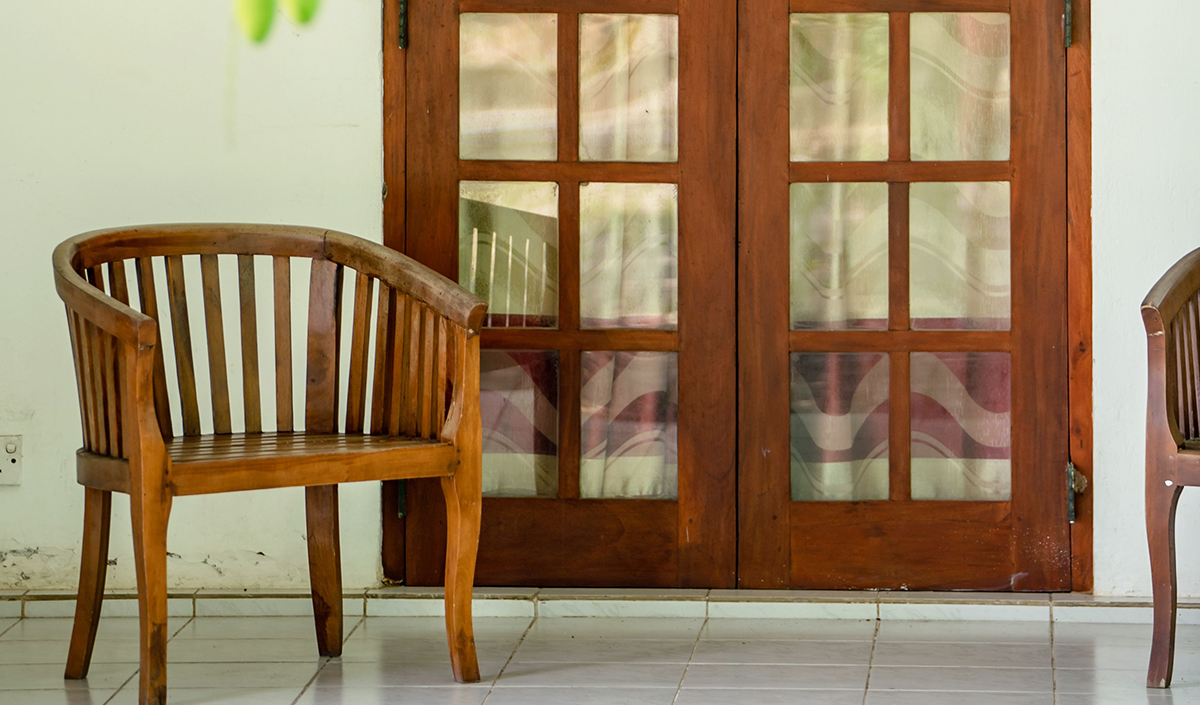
[462, 493]
[1160, 532]
[325, 566]
[93, 568]
[150, 514]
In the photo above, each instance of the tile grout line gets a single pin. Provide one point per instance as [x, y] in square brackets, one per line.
[871, 659]
[15, 623]
[511, 656]
[688, 665]
[121, 687]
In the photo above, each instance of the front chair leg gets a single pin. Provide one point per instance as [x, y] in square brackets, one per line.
[150, 516]
[325, 566]
[462, 493]
[1160, 532]
[93, 568]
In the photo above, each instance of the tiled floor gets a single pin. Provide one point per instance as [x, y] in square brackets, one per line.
[603, 661]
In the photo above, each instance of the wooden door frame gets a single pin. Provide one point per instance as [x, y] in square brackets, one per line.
[1079, 266]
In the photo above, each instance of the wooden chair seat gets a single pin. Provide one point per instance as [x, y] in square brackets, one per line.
[404, 405]
[255, 461]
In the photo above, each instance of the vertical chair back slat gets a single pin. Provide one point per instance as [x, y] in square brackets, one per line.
[1174, 376]
[148, 297]
[439, 381]
[96, 365]
[185, 366]
[384, 331]
[412, 362]
[214, 325]
[110, 372]
[285, 414]
[1187, 319]
[251, 394]
[117, 282]
[399, 359]
[428, 369]
[360, 332]
[83, 377]
[324, 333]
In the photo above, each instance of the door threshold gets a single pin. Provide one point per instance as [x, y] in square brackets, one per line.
[630, 603]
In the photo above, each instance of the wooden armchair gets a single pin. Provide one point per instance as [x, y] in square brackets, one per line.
[414, 344]
[1171, 313]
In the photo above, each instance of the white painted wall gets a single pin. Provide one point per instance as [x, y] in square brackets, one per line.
[145, 111]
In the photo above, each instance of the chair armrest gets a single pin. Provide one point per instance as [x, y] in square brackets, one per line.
[97, 307]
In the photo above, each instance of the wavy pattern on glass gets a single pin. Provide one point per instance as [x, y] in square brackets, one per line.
[508, 86]
[630, 419]
[961, 426]
[508, 250]
[839, 87]
[839, 426]
[628, 255]
[628, 88]
[518, 402]
[839, 256]
[960, 86]
[960, 256]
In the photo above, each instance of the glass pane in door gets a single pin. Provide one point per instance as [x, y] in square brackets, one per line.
[518, 402]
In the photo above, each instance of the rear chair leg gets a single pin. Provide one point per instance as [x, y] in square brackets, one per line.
[1160, 532]
[93, 568]
[325, 566]
[462, 493]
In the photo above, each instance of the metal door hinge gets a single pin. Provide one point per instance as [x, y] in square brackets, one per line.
[1076, 484]
[1066, 23]
[402, 9]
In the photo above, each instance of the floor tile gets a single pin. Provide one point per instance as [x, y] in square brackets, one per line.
[337, 674]
[708, 675]
[760, 696]
[5, 624]
[1127, 697]
[966, 632]
[924, 697]
[793, 610]
[965, 612]
[783, 652]
[59, 629]
[625, 609]
[213, 696]
[584, 628]
[1093, 633]
[1012, 680]
[57, 697]
[457, 694]
[243, 650]
[27, 651]
[582, 696]
[791, 629]
[435, 627]
[240, 675]
[1103, 656]
[632, 675]
[102, 676]
[1086, 681]
[419, 649]
[604, 651]
[966, 654]
[256, 628]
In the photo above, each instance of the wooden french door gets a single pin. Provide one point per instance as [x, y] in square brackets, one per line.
[573, 162]
[902, 295]
[880, 399]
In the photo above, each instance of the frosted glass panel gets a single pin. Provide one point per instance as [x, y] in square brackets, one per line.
[629, 436]
[839, 426]
[518, 402]
[628, 88]
[628, 255]
[961, 426]
[960, 250]
[508, 86]
[839, 256]
[839, 87]
[508, 250]
[960, 86]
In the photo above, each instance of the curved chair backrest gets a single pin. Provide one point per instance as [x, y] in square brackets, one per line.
[1171, 313]
[126, 288]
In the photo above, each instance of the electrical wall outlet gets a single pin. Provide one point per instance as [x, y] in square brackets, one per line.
[10, 460]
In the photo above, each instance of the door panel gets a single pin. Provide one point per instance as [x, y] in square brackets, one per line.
[902, 293]
[573, 163]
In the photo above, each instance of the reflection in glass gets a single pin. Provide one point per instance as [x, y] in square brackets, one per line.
[508, 86]
[628, 255]
[960, 252]
[839, 426]
[839, 87]
[518, 401]
[628, 88]
[961, 426]
[960, 86]
[508, 250]
[839, 255]
[629, 410]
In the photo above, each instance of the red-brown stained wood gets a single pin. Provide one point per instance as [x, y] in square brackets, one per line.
[568, 83]
[360, 331]
[148, 299]
[884, 341]
[394, 90]
[899, 115]
[898, 258]
[569, 423]
[566, 173]
[381, 398]
[440, 378]
[251, 390]
[218, 370]
[899, 5]
[400, 362]
[899, 172]
[424, 409]
[568, 283]
[656, 7]
[393, 531]
[93, 571]
[899, 428]
[284, 412]
[182, 330]
[325, 566]
[409, 424]
[324, 334]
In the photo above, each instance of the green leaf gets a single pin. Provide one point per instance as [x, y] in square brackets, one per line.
[301, 11]
[254, 17]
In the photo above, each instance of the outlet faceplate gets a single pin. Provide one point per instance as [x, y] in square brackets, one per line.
[10, 460]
